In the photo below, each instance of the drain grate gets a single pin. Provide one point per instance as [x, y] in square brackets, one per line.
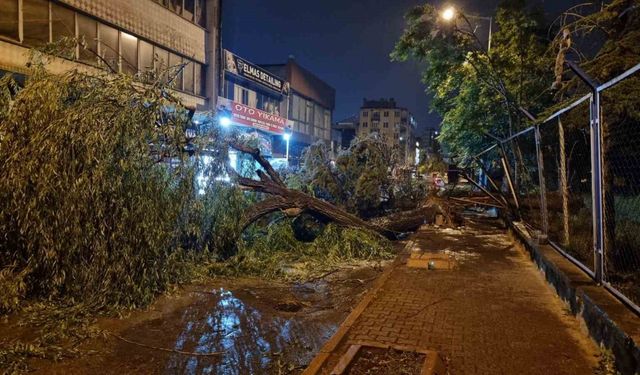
[373, 358]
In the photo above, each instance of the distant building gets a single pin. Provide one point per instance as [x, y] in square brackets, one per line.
[345, 132]
[392, 124]
[310, 107]
[120, 35]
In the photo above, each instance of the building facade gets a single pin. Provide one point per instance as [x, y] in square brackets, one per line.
[121, 36]
[256, 103]
[309, 106]
[394, 125]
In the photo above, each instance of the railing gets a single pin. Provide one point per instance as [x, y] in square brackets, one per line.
[574, 178]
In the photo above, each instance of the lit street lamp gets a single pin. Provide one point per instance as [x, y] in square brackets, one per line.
[287, 137]
[450, 13]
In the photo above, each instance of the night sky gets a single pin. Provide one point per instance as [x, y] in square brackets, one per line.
[344, 42]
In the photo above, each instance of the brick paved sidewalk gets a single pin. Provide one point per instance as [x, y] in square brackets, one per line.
[492, 314]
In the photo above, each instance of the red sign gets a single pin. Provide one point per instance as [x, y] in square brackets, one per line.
[255, 118]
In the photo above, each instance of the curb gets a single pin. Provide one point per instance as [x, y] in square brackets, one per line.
[335, 340]
[600, 312]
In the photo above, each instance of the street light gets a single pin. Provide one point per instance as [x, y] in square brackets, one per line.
[287, 137]
[450, 13]
[225, 121]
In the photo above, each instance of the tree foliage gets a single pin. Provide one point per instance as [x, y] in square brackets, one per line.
[474, 91]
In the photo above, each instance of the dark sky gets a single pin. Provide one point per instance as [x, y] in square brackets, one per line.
[344, 42]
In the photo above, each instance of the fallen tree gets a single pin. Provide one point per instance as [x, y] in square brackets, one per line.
[294, 202]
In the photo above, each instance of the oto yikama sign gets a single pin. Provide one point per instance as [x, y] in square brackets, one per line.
[240, 67]
[255, 118]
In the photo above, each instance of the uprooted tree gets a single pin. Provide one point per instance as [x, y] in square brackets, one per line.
[294, 202]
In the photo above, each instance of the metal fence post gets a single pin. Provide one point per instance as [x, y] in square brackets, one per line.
[596, 187]
[541, 181]
[596, 171]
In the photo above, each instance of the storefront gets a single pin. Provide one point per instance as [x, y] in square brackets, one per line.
[253, 100]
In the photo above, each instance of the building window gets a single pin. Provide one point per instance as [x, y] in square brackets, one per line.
[9, 19]
[386, 113]
[129, 52]
[200, 75]
[175, 63]
[245, 96]
[35, 22]
[189, 9]
[63, 22]
[175, 5]
[108, 46]
[88, 35]
[188, 75]
[365, 114]
[397, 113]
[365, 124]
[385, 125]
[201, 13]
[145, 56]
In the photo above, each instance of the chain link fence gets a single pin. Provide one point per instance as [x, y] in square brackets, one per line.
[575, 178]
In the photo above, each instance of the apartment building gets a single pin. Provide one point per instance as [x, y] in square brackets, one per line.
[121, 36]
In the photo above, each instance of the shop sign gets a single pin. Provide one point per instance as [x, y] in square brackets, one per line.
[252, 117]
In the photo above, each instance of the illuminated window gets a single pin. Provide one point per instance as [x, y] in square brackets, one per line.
[35, 16]
[129, 50]
[9, 19]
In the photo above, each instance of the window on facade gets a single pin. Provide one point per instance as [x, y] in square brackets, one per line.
[189, 85]
[145, 56]
[245, 97]
[386, 113]
[175, 5]
[129, 51]
[397, 113]
[200, 74]
[327, 119]
[365, 125]
[108, 46]
[9, 19]
[309, 118]
[365, 114]
[385, 125]
[162, 61]
[201, 13]
[318, 116]
[88, 34]
[35, 21]
[62, 22]
[175, 62]
[189, 9]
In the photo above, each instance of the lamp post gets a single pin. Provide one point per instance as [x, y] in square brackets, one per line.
[450, 13]
[287, 138]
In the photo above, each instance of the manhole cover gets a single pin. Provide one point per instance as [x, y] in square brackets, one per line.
[431, 261]
[373, 359]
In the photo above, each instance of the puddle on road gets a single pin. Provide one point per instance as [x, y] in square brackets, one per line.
[254, 339]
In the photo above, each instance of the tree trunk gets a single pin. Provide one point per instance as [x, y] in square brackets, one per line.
[293, 202]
